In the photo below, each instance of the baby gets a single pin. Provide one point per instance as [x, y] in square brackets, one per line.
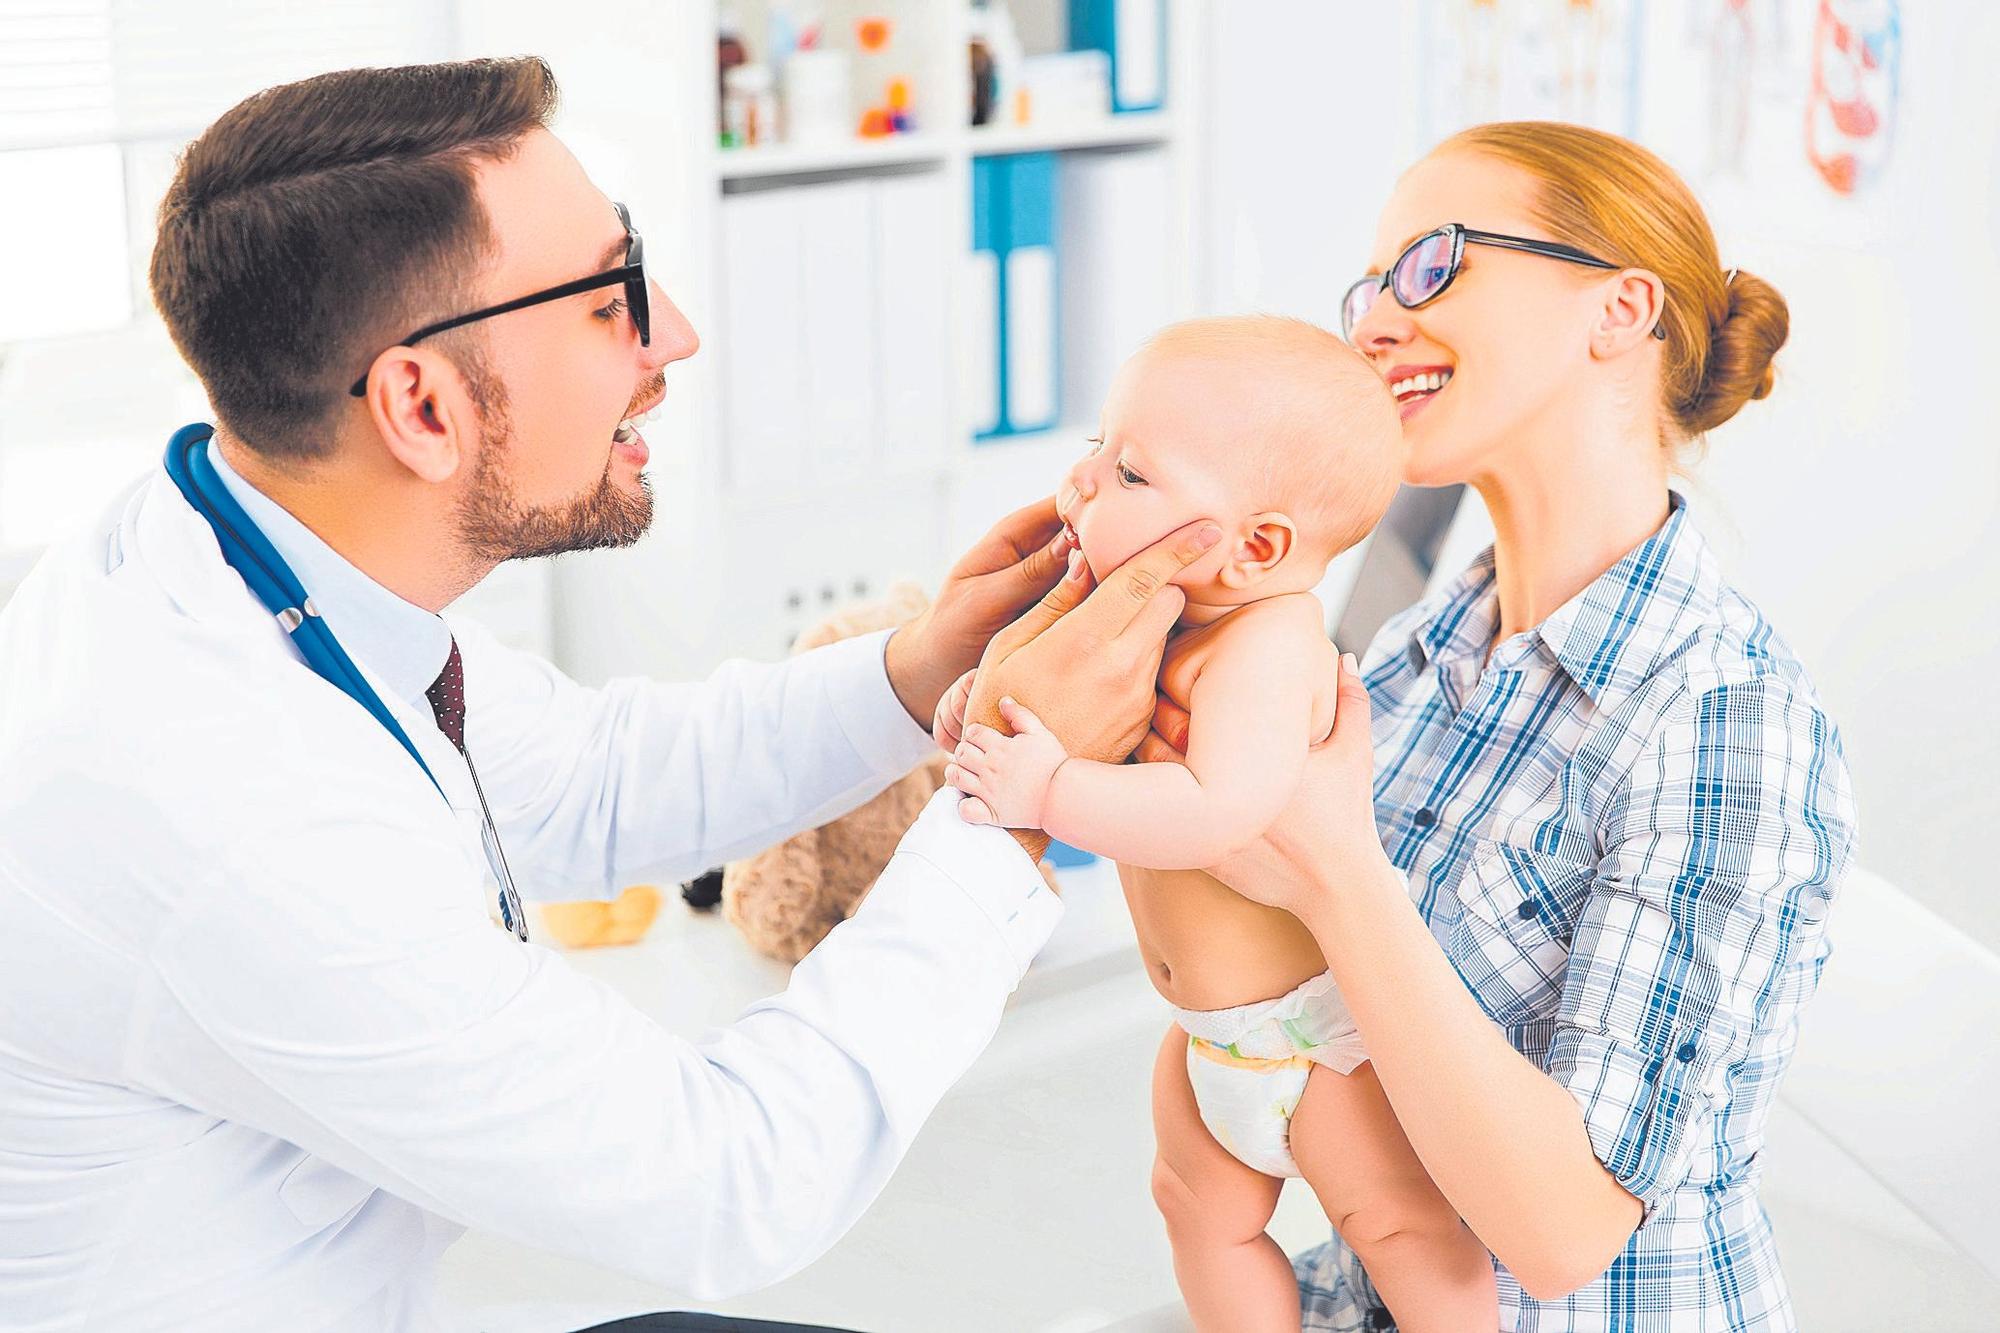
[1277, 430]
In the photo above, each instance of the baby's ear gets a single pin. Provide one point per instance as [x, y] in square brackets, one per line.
[1263, 545]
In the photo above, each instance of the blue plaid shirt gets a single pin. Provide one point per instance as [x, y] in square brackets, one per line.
[1625, 831]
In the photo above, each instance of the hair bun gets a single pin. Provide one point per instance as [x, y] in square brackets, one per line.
[1755, 322]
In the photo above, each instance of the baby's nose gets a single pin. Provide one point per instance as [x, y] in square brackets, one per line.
[1079, 480]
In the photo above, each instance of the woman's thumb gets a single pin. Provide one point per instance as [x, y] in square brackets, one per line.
[1351, 722]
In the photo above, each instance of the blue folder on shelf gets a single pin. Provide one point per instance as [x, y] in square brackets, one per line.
[1133, 33]
[1014, 291]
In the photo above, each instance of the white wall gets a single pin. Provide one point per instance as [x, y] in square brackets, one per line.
[1860, 504]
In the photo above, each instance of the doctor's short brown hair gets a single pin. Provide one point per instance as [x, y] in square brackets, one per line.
[318, 222]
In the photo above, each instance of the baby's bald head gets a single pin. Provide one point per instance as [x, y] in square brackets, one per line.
[1288, 415]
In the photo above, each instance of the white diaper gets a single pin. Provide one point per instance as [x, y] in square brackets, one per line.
[1249, 1065]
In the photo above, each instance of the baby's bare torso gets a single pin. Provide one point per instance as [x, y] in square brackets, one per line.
[1205, 945]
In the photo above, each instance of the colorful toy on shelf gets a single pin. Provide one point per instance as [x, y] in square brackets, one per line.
[876, 62]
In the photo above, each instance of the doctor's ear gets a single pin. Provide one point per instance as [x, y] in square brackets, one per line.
[1257, 552]
[423, 411]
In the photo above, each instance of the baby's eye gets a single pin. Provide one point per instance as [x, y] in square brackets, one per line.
[1129, 477]
[612, 311]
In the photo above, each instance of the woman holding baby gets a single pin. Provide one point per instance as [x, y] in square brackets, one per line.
[1579, 917]
[1570, 848]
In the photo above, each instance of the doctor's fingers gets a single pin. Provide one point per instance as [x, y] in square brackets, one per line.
[979, 738]
[1026, 539]
[1139, 597]
[1040, 545]
[1070, 592]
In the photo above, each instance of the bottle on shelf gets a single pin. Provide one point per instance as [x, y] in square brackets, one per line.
[729, 53]
[994, 47]
[749, 106]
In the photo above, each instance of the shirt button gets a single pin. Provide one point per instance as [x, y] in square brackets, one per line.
[1685, 1053]
[1425, 817]
[1528, 910]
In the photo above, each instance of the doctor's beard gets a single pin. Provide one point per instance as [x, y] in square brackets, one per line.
[495, 525]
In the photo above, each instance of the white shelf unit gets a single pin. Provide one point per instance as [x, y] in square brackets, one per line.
[743, 555]
[860, 155]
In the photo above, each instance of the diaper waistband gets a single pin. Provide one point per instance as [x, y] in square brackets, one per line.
[1310, 1000]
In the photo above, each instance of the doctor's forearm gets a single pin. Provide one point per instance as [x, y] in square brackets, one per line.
[1504, 1142]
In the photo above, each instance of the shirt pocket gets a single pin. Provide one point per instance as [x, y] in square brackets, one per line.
[1511, 941]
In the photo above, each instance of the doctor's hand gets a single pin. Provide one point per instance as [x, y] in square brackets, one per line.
[1002, 575]
[1084, 659]
[949, 726]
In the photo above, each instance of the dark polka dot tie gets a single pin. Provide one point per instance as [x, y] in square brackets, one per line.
[447, 696]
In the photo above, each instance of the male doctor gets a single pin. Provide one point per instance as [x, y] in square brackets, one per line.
[268, 1038]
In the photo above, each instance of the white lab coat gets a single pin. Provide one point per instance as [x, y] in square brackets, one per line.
[263, 1055]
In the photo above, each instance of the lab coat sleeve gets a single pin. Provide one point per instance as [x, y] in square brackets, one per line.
[594, 788]
[359, 1004]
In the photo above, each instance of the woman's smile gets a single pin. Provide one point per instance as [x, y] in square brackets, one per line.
[1413, 386]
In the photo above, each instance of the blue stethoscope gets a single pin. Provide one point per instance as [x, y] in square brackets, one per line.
[250, 553]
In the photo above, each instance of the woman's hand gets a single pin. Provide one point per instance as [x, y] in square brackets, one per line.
[1326, 834]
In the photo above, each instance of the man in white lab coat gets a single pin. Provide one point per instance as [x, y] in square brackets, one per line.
[263, 1052]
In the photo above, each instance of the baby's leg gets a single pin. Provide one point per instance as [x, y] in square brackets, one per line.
[1232, 1275]
[1431, 1270]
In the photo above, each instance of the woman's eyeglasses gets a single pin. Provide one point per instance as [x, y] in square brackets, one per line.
[632, 273]
[1422, 272]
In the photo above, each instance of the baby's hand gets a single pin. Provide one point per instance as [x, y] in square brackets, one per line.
[1006, 778]
[950, 720]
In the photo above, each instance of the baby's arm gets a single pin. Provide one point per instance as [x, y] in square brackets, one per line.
[1251, 710]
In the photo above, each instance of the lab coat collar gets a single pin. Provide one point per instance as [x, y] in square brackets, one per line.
[401, 643]
[156, 529]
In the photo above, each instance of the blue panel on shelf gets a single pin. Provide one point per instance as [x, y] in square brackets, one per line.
[1030, 294]
[1015, 310]
[989, 297]
[1133, 33]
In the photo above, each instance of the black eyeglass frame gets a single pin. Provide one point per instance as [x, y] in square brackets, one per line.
[632, 273]
[1460, 235]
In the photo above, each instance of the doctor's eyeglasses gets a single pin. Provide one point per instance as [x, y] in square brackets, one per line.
[632, 273]
[1423, 271]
